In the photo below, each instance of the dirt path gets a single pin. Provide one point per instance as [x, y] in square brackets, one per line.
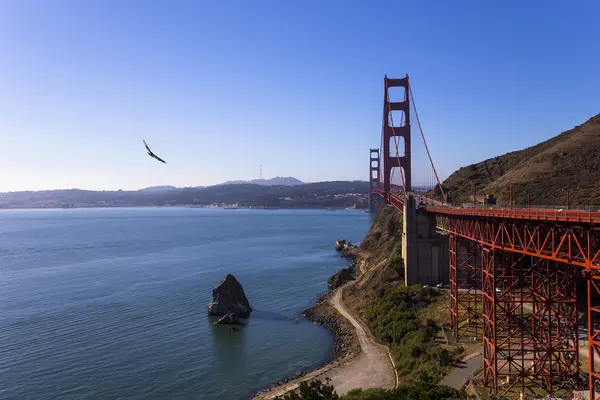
[372, 368]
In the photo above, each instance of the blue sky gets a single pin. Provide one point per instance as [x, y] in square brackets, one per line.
[219, 87]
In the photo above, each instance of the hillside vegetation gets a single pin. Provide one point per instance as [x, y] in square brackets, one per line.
[406, 319]
[569, 161]
[317, 390]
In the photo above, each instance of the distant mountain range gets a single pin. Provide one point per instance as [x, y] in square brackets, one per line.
[278, 180]
[158, 188]
[340, 194]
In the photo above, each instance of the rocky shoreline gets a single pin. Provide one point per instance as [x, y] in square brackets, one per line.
[323, 314]
[345, 342]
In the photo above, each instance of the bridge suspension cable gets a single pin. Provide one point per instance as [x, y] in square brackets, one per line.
[425, 142]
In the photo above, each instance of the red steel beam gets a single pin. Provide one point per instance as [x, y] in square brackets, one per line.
[488, 283]
[575, 244]
[593, 315]
[553, 246]
[530, 324]
[465, 285]
[533, 214]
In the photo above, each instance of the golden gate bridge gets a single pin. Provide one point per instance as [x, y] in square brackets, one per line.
[513, 272]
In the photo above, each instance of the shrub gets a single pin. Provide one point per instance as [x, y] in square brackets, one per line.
[393, 319]
[317, 390]
[312, 390]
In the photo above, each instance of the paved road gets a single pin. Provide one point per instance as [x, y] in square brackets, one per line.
[459, 376]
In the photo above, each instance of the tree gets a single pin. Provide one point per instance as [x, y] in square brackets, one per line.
[312, 390]
[317, 390]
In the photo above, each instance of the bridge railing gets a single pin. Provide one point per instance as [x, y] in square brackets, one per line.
[505, 206]
[522, 213]
[396, 197]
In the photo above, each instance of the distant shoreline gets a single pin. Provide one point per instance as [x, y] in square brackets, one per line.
[185, 206]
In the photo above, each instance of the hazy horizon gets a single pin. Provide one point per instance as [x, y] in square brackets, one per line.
[217, 89]
[165, 185]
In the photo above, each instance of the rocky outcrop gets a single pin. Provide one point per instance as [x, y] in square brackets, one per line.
[229, 298]
[343, 245]
[347, 249]
[342, 276]
[340, 244]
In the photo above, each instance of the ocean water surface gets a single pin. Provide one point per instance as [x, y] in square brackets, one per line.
[112, 303]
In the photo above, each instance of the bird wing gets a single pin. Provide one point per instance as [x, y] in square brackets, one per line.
[158, 158]
[147, 148]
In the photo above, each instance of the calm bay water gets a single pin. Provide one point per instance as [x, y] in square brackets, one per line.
[111, 303]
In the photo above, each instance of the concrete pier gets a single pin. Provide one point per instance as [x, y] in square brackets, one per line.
[424, 250]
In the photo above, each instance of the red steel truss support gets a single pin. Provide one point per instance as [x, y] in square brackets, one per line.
[390, 133]
[454, 320]
[593, 318]
[554, 324]
[529, 299]
[529, 324]
[570, 243]
[508, 345]
[465, 285]
[488, 286]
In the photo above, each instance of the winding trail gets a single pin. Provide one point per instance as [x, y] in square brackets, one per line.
[372, 368]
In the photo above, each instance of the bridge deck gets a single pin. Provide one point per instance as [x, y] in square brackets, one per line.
[534, 214]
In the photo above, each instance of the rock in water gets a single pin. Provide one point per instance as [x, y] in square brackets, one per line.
[229, 297]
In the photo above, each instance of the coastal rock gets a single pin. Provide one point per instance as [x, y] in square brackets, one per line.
[335, 323]
[340, 244]
[347, 249]
[229, 297]
[228, 319]
[339, 278]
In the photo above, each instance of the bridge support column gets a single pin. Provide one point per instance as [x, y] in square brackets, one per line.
[424, 250]
[465, 282]
[529, 323]
[554, 324]
[593, 315]
[488, 285]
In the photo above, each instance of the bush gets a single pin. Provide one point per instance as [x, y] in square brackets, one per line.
[396, 263]
[394, 321]
[312, 390]
[316, 390]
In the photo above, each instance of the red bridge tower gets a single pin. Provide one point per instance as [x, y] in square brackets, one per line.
[390, 132]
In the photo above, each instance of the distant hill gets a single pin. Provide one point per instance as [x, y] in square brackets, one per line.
[569, 161]
[312, 195]
[278, 180]
[158, 188]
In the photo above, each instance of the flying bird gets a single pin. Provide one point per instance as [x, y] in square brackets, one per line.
[151, 154]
